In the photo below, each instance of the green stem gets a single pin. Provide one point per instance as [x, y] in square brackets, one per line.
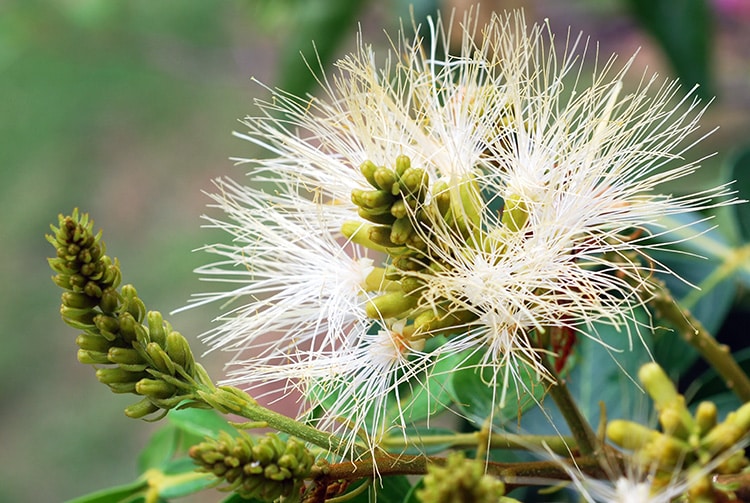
[556, 443]
[693, 331]
[580, 429]
[417, 465]
[238, 402]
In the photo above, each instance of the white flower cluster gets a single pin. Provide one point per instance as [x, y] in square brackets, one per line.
[553, 174]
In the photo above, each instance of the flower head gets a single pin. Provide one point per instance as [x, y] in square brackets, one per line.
[497, 195]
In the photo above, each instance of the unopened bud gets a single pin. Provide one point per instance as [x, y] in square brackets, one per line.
[179, 351]
[155, 388]
[141, 409]
[706, 417]
[390, 305]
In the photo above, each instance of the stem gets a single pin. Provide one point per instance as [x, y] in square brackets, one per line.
[693, 331]
[242, 404]
[580, 428]
[417, 465]
[556, 443]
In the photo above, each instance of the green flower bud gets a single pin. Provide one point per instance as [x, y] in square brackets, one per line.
[460, 481]
[725, 435]
[79, 300]
[93, 342]
[415, 182]
[402, 164]
[466, 209]
[132, 303]
[266, 468]
[156, 328]
[515, 213]
[141, 409]
[400, 231]
[160, 359]
[107, 326]
[368, 169]
[386, 180]
[390, 305]
[89, 357]
[93, 290]
[155, 388]
[359, 233]
[380, 200]
[116, 375]
[400, 209]
[441, 321]
[629, 435]
[110, 300]
[381, 236]
[125, 356]
[122, 387]
[179, 351]
[79, 318]
[379, 216]
[665, 396]
[706, 417]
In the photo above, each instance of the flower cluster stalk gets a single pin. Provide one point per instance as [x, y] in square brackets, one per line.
[694, 333]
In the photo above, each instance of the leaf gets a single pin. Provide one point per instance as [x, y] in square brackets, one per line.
[427, 396]
[418, 436]
[683, 29]
[200, 422]
[609, 375]
[236, 498]
[478, 401]
[160, 448]
[710, 268]
[324, 22]
[182, 479]
[411, 496]
[113, 494]
[392, 490]
[739, 166]
[601, 375]
[709, 384]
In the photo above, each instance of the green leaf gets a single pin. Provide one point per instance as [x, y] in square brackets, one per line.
[113, 494]
[709, 384]
[236, 498]
[683, 29]
[428, 395]
[393, 490]
[411, 496]
[709, 262]
[478, 401]
[608, 375]
[200, 422]
[160, 449]
[182, 479]
[739, 166]
[420, 435]
[324, 22]
[601, 374]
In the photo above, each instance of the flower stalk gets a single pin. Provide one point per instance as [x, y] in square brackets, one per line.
[694, 333]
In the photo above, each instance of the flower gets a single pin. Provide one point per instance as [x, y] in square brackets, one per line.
[512, 198]
[303, 285]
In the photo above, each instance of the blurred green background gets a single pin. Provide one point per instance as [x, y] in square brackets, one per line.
[125, 109]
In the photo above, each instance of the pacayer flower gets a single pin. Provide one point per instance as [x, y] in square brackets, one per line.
[495, 193]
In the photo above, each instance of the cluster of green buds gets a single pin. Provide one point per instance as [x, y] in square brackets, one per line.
[150, 360]
[265, 468]
[461, 480]
[403, 210]
[692, 443]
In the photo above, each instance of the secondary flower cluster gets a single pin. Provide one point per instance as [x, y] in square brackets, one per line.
[492, 199]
